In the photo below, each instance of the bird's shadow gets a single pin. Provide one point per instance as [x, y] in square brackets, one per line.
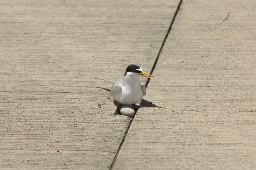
[144, 103]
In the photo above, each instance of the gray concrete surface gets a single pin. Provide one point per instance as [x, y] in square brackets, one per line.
[205, 83]
[53, 113]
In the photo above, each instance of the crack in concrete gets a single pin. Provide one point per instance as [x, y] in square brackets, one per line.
[151, 72]
[226, 18]
[165, 38]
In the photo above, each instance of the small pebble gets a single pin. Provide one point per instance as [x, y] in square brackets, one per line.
[127, 111]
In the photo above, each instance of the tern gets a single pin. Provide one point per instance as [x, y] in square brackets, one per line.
[129, 90]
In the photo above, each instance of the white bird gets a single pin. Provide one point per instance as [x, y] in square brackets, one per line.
[128, 90]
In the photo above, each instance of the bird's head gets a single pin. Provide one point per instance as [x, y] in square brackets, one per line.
[134, 69]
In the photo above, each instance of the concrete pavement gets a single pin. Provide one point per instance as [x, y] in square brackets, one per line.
[205, 83]
[54, 114]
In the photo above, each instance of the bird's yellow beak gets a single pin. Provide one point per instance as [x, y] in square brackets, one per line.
[145, 74]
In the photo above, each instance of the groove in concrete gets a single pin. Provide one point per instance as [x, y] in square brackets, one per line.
[151, 72]
[121, 144]
[165, 38]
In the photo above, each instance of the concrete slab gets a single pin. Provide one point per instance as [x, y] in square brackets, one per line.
[54, 114]
[204, 85]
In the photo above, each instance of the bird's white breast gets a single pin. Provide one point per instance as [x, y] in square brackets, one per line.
[131, 92]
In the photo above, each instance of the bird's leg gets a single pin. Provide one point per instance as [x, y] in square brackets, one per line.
[136, 107]
[118, 107]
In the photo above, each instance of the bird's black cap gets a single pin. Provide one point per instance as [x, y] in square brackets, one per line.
[133, 68]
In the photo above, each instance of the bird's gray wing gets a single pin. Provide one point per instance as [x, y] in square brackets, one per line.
[117, 86]
[143, 88]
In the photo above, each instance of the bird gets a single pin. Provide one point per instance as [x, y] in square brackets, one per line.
[129, 90]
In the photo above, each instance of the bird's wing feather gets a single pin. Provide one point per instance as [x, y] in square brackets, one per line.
[143, 88]
[117, 86]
